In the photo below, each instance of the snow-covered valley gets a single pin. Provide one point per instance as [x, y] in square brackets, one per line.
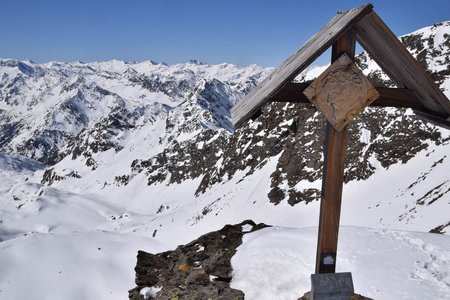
[102, 159]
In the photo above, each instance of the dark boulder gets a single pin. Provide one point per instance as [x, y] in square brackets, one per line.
[200, 269]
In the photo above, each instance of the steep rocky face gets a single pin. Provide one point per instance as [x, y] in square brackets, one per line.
[200, 269]
[295, 134]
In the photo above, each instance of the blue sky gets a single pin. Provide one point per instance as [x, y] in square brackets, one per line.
[215, 31]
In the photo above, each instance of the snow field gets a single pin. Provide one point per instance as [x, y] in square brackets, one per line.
[276, 263]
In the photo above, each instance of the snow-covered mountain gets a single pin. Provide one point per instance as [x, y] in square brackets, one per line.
[116, 155]
[47, 109]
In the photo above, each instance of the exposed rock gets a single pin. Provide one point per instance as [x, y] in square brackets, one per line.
[295, 133]
[440, 228]
[50, 176]
[199, 270]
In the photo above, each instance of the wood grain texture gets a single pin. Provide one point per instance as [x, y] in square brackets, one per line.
[333, 176]
[389, 97]
[330, 204]
[341, 92]
[292, 92]
[397, 97]
[290, 68]
[384, 47]
[443, 121]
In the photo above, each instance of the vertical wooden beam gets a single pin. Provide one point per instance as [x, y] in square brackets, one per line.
[333, 176]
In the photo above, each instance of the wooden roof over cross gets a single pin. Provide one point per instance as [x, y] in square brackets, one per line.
[340, 93]
[415, 89]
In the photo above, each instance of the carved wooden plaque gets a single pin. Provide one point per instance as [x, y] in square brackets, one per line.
[341, 92]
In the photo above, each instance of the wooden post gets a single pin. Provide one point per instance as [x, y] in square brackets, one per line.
[333, 176]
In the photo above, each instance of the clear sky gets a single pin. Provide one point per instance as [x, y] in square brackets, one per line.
[236, 31]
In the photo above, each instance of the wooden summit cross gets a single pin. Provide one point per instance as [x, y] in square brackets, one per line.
[340, 93]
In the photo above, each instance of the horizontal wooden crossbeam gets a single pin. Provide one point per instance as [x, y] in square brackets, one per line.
[395, 97]
[389, 97]
[291, 67]
[440, 120]
[292, 92]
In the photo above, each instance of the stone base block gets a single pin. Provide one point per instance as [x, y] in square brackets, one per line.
[332, 286]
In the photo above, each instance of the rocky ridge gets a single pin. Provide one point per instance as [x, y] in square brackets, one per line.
[200, 269]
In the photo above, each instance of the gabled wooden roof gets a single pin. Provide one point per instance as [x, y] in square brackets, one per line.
[381, 44]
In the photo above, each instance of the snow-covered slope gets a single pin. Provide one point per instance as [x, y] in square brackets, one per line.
[275, 263]
[102, 159]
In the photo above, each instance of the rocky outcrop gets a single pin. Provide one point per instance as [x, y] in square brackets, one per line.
[198, 270]
[50, 176]
[295, 134]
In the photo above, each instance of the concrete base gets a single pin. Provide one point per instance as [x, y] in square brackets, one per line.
[332, 286]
